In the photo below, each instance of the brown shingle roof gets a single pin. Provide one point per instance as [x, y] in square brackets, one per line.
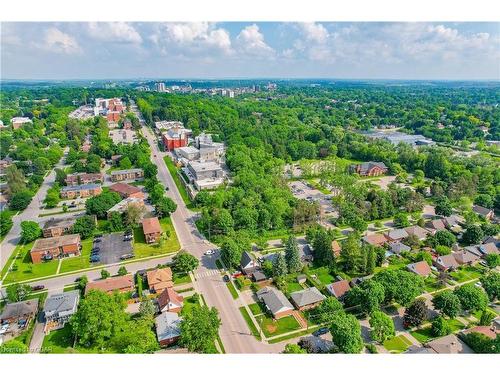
[53, 242]
[151, 225]
[485, 330]
[169, 295]
[124, 189]
[376, 239]
[339, 288]
[420, 268]
[160, 278]
[113, 283]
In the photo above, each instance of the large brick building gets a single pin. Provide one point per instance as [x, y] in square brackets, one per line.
[175, 137]
[80, 191]
[152, 229]
[83, 179]
[127, 174]
[55, 247]
[369, 169]
[126, 190]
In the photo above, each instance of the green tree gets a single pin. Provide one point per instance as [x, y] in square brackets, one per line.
[115, 222]
[60, 176]
[5, 222]
[122, 271]
[230, 253]
[448, 303]
[82, 282]
[369, 295]
[15, 180]
[491, 284]
[326, 310]
[473, 235]
[85, 226]
[20, 200]
[100, 204]
[136, 337]
[486, 318]
[293, 349]
[125, 163]
[279, 266]
[133, 215]
[147, 308]
[292, 256]
[443, 207]
[105, 274]
[18, 292]
[382, 327]
[30, 231]
[164, 207]
[350, 253]
[185, 262]
[415, 314]
[492, 260]
[445, 238]
[471, 297]
[401, 220]
[400, 286]
[440, 327]
[481, 343]
[13, 347]
[199, 329]
[346, 333]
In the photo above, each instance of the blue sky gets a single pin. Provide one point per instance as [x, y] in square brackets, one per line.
[246, 50]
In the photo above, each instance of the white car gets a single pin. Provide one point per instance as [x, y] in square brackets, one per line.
[3, 329]
[210, 252]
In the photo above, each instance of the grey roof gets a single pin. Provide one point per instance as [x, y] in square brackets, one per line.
[60, 222]
[127, 171]
[19, 309]
[398, 247]
[168, 325]
[81, 187]
[397, 234]
[483, 211]
[259, 276]
[317, 344]
[60, 305]
[246, 260]
[307, 296]
[274, 299]
[489, 248]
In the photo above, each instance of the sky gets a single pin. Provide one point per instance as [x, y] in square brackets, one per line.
[373, 50]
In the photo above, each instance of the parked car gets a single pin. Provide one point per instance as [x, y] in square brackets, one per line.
[127, 256]
[97, 240]
[95, 258]
[210, 252]
[226, 278]
[4, 328]
[320, 331]
[38, 287]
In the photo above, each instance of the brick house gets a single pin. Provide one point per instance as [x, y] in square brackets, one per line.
[58, 227]
[159, 279]
[126, 190]
[127, 174]
[84, 179]
[55, 247]
[152, 229]
[168, 328]
[110, 285]
[275, 301]
[175, 137]
[307, 299]
[169, 300]
[369, 169]
[81, 191]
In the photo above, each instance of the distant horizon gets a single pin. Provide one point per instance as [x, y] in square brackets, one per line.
[399, 51]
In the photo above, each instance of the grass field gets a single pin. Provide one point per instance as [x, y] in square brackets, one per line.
[322, 274]
[423, 334]
[272, 327]
[189, 303]
[256, 309]
[466, 273]
[180, 186]
[180, 279]
[249, 322]
[166, 246]
[232, 290]
[397, 344]
[79, 262]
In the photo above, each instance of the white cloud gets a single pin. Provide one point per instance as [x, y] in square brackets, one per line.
[315, 32]
[117, 32]
[57, 41]
[251, 41]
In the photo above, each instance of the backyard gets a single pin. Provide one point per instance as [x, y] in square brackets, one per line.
[272, 327]
[169, 244]
[397, 344]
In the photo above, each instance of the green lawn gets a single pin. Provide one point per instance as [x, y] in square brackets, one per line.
[232, 290]
[165, 246]
[432, 284]
[272, 327]
[79, 262]
[180, 279]
[293, 335]
[322, 274]
[256, 309]
[189, 303]
[61, 342]
[423, 334]
[68, 288]
[180, 186]
[250, 323]
[455, 325]
[24, 269]
[397, 344]
[466, 273]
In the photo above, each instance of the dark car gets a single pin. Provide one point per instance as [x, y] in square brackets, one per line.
[226, 278]
[95, 258]
[126, 256]
[320, 332]
[38, 287]
[97, 240]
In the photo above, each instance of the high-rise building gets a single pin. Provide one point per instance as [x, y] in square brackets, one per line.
[160, 86]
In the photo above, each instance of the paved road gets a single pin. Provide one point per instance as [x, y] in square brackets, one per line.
[234, 331]
[31, 212]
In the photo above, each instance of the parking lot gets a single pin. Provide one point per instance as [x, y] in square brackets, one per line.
[112, 247]
[302, 190]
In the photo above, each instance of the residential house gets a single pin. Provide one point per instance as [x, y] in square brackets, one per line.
[119, 284]
[306, 253]
[127, 174]
[307, 299]
[435, 225]
[449, 344]
[248, 263]
[474, 249]
[369, 169]
[84, 179]
[484, 212]
[59, 308]
[203, 171]
[419, 232]
[19, 313]
[17, 122]
[152, 229]
[446, 262]
[465, 257]
[80, 191]
[168, 328]
[159, 279]
[420, 268]
[169, 300]
[376, 239]
[55, 247]
[259, 276]
[396, 235]
[188, 153]
[398, 247]
[453, 223]
[316, 345]
[489, 248]
[127, 191]
[490, 332]
[275, 301]
[338, 289]
[122, 206]
[336, 248]
[56, 227]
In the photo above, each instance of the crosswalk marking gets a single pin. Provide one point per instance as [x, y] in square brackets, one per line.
[201, 275]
